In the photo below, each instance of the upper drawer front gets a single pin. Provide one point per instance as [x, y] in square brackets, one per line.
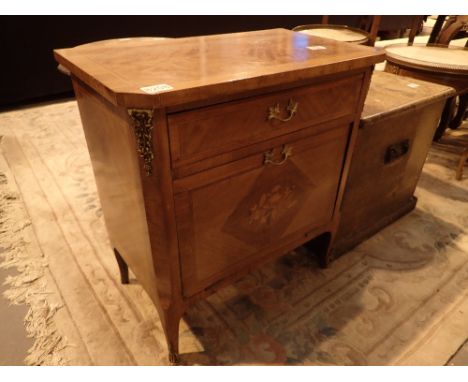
[205, 132]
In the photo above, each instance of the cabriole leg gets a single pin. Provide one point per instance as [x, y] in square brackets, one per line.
[321, 246]
[171, 323]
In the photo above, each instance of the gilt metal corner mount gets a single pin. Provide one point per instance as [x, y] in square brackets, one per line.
[142, 120]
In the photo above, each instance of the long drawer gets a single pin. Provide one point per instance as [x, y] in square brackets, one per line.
[230, 215]
[209, 131]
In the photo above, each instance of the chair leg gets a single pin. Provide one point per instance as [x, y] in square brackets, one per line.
[436, 29]
[458, 119]
[123, 267]
[374, 29]
[444, 119]
[415, 25]
[461, 165]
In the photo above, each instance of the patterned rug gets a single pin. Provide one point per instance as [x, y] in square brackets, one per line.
[400, 298]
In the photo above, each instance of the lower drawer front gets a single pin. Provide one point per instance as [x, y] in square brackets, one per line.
[228, 216]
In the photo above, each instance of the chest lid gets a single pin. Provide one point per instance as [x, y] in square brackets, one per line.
[390, 94]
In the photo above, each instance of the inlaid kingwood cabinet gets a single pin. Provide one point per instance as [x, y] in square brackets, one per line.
[215, 154]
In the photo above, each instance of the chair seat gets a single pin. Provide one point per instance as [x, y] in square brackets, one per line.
[334, 32]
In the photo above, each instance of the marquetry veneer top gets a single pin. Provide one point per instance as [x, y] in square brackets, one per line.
[191, 69]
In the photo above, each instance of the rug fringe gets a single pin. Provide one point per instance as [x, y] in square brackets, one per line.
[29, 286]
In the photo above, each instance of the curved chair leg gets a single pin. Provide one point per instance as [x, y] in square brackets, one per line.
[461, 111]
[461, 164]
[123, 267]
[444, 119]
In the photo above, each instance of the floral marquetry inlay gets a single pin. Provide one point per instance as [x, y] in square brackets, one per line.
[269, 205]
[272, 204]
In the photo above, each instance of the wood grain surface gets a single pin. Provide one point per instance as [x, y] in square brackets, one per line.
[400, 114]
[209, 66]
[390, 94]
[198, 134]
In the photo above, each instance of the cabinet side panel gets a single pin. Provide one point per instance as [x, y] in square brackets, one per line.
[112, 148]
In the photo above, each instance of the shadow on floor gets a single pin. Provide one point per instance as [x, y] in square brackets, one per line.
[444, 189]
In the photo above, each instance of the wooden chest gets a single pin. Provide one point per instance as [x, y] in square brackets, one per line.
[214, 154]
[398, 122]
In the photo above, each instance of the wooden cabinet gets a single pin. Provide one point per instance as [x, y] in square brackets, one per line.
[214, 154]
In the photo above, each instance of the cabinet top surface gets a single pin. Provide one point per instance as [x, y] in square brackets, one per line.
[165, 72]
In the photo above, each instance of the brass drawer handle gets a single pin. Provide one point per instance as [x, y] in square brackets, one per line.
[274, 112]
[286, 153]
